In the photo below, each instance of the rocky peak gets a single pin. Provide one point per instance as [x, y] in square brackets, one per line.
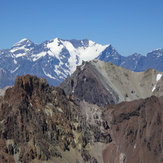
[103, 83]
[39, 123]
[136, 55]
[110, 54]
[22, 42]
[29, 83]
[26, 89]
[155, 53]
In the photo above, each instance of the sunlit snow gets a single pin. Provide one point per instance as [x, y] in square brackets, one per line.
[82, 53]
[15, 69]
[15, 61]
[48, 75]
[55, 48]
[39, 55]
[154, 88]
[158, 77]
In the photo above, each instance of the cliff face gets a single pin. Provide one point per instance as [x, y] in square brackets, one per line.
[39, 123]
[34, 118]
[136, 130]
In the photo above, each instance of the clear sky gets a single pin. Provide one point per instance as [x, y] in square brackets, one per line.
[129, 25]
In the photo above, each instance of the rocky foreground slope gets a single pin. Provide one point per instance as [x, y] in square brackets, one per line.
[136, 130]
[104, 83]
[39, 123]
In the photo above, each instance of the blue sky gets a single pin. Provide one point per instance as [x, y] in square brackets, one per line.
[129, 25]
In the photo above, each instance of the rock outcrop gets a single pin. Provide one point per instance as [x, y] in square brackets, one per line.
[39, 123]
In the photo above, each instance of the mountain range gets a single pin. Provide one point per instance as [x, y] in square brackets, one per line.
[57, 59]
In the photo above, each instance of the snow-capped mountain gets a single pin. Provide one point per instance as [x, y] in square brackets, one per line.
[57, 59]
[54, 60]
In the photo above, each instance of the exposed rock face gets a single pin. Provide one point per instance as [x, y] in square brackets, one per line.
[103, 83]
[39, 123]
[136, 130]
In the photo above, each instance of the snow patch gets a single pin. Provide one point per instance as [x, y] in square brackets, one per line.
[158, 77]
[48, 75]
[21, 41]
[55, 48]
[37, 56]
[20, 55]
[13, 50]
[154, 88]
[12, 71]
[91, 43]
[15, 62]
[73, 53]
[91, 52]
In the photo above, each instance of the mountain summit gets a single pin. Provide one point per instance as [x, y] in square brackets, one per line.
[104, 83]
[54, 60]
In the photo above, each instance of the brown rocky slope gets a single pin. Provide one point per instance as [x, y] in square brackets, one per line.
[39, 123]
[136, 130]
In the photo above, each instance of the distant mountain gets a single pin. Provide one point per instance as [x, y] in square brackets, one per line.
[135, 62]
[103, 83]
[56, 59]
[53, 60]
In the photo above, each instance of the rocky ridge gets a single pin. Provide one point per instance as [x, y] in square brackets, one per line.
[104, 83]
[39, 123]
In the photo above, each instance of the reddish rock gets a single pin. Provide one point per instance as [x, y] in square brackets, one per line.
[136, 131]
